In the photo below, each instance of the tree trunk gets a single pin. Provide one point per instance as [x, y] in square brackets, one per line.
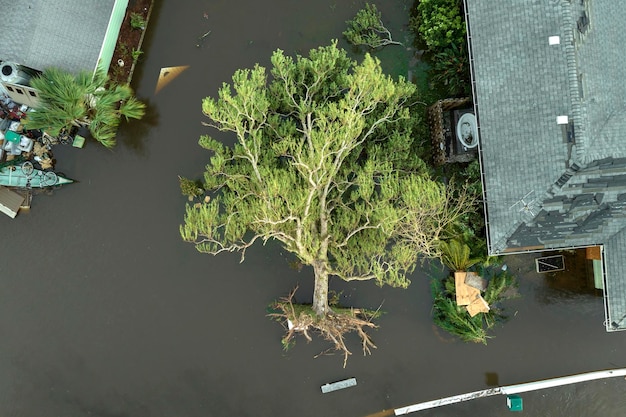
[320, 292]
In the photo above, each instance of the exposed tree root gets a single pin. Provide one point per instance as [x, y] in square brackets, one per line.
[301, 319]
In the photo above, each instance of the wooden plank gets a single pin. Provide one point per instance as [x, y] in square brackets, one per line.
[479, 305]
[334, 386]
[465, 294]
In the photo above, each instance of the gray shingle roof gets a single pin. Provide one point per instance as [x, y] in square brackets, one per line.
[521, 88]
[62, 33]
[549, 185]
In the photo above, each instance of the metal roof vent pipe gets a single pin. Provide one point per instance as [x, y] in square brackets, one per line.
[13, 74]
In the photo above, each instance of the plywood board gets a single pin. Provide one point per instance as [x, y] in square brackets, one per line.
[479, 305]
[167, 74]
[464, 293]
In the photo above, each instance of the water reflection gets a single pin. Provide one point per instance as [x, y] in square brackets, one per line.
[135, 134]
[491, 379]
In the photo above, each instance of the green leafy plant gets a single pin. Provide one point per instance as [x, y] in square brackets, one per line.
[470, 229]
[367, 29]
[190, 188]
[501, 286]
[88, 100]
[123, 49]
[137, 21]
[439, 23]
[450, 70]
[456, 255]
[136, 54]
[456, 319]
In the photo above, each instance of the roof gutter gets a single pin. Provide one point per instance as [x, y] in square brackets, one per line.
[112, 33]
[477, 114]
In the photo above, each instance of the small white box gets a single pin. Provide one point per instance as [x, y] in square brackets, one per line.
[562, 120]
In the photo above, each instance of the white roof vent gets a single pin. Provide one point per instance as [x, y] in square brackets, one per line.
[562, 120]
[554, 40]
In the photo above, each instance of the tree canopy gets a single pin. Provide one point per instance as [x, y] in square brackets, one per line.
[82, 100]
[367, 29]
[322, 163]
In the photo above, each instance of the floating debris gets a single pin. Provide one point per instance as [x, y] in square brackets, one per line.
[346, 383]
[202, 38]
[10, 202]
[167, 74]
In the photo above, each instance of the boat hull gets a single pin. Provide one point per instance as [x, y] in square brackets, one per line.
[15, 176]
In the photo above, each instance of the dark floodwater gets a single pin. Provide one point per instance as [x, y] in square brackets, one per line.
[105, 312]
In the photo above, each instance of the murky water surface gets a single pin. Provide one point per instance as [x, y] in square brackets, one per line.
[105, 312]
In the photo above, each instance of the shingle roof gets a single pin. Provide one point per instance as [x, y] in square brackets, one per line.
[549, 185]
[521, 88]
[67, 34]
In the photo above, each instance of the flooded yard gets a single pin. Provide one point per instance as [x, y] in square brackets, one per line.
[104, 311]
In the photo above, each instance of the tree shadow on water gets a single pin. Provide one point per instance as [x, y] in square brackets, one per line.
[133, 134]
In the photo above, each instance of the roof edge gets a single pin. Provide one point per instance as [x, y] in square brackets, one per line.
[110, 38]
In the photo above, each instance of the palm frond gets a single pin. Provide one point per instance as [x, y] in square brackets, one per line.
[132, 109]
[67, 100]
[104, 134]
[456, 255]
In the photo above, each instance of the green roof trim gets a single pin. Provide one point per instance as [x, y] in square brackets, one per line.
[112, 33]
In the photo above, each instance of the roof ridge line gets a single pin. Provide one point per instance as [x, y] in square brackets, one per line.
[567, 28]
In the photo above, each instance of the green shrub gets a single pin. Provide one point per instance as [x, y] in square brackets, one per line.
[439, 23]
[190, 188]
[456, 319]
[456, 255]
[470, 229]
[450, 70]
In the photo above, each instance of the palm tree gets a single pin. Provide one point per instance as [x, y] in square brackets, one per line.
[82, 100]
[456, 255]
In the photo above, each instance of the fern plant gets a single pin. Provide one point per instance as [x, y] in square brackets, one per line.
[456, 255]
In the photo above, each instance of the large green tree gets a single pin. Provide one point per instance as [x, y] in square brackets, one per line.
[322, 163]
[82, 100]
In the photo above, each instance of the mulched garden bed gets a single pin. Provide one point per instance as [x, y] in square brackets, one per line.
[129, 41]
